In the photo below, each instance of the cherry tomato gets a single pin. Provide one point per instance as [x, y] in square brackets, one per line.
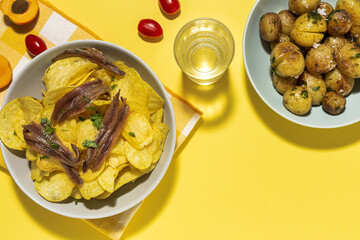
[34, 44]
[150, 28]
[170, 6]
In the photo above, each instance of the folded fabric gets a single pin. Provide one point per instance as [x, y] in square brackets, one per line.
[56, 28]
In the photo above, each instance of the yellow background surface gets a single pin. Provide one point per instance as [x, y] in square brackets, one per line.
[246, 173]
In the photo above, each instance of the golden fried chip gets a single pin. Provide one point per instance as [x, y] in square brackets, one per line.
[48, 164]
[140, 159]
[31, 154]
[65, 71]
[19, 120]
[126, 175]
[75, 194]
[66, 131]
[8, 134]
[157, 116]
[117, 154]
[105, 76]
[36, 173]
[91, 175]
[85, 130]
[81, 79]
[52, 96]
[31, 107]
[56, 187]
[138, 93]
[137, 130]
[90, 190]
[107, 178]
[101, 106]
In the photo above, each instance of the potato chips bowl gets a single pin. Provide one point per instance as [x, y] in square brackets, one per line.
[28, 83]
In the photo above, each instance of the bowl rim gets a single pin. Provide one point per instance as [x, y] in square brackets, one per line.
[248, 72]
[172, 131]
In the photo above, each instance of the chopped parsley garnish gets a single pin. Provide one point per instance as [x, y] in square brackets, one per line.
[91, 108]
[62, 110]
[304, 94]
[86, 99]
[113, 87]
[331, 14]
[44, 157]
[315, 16]
[44, 121]
[132, 134]
[315, 89]
[14, 133]
[52, 145]
[97, 120]
[48, 129]
[81, 118]
[293, 89]
[112, 79]
[90, 144]
[356, 56]
[76, 201]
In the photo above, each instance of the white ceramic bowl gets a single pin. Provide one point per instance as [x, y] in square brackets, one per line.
[28, 83]
[257, 64]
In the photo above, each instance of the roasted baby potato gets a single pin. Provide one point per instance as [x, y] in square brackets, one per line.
[287, 60]
[325, 9]
[339, 82]
[270, 26]
[309, 29]
[348, 60]
[315, 85]
[320, 60]
[281, 84]
[282, 38]
[300, 7]
[287, 21]
[333, 103]
[336, 42]
[352, 7]
[297, 100]
[339, 22]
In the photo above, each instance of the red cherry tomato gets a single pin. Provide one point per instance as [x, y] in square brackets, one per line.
[150, 28]
[170, 6]
[34, 44]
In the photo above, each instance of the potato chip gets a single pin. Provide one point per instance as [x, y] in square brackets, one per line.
[126, 175]
[107, 178]
[91, 175]
[66, 131]
[51, 97]
[82, 79]
[138, 93]
[7, 126]
[117, 154]
[66, 70]
[48, 164]
[75, 194]
[137, 130]
[19, 120]
[90, 190]
[101, 105]
[85, 130]
[105, 76]
[36, 173]
[157, 116]
[56, 187]
[31, 107]
[31, 155]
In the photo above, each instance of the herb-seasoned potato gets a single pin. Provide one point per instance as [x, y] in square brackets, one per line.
[336, 42]
[281, 84]
[339, 22]
[287, 60]
[333, 103]
[282, 38]
[287, 21]
[309, 29]
[339, 82]
[315, 85]
[325, 9]
[270, 26]
[300, 7]
[297, 100]
[352, 7]
[348, 60]
[320, 60]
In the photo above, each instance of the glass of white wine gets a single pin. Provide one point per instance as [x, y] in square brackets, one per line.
[204, 49]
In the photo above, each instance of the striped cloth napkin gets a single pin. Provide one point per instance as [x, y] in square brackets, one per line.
[56, 28]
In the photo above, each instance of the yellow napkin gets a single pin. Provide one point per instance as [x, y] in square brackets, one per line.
[56, 28]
